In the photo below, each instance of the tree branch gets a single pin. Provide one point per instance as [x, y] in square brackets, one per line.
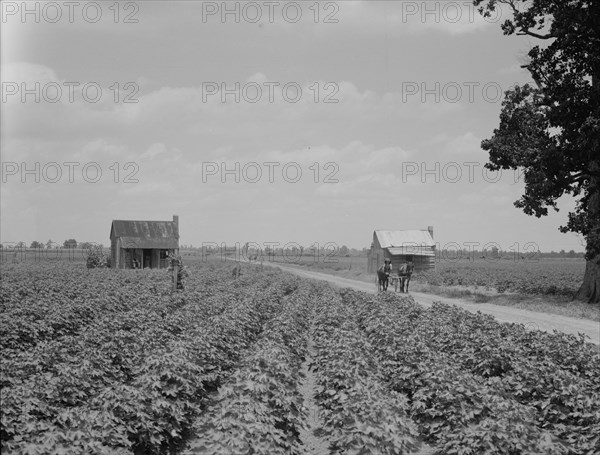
[536, 35]
[525, 31]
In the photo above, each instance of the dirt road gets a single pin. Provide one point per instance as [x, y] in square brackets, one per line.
[532, 319]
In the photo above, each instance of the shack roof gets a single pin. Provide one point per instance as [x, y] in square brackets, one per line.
[404, 239]
[146, 234]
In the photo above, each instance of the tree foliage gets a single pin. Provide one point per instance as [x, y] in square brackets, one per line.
[551, 130]
[96, 258]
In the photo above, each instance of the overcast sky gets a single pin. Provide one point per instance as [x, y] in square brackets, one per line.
[337, 119]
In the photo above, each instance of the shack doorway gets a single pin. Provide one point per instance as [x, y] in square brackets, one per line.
[147, 258]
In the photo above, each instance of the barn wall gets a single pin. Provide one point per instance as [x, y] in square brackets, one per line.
[376, 243]
[376, 258]
[421, 263]
[127, 257]
[397, 261]
[113, 253]
[375, 255]
[123, 257]
[121, 254]
[120, 257]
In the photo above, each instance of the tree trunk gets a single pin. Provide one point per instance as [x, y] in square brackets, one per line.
[590, 289]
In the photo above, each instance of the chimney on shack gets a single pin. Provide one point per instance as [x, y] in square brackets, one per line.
[430, 229]
[176, 223]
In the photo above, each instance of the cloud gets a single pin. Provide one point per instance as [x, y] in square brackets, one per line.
[417, 17]
[201, 121]
[27, 73]
[102, 150]
[466, 144]
[154, 150]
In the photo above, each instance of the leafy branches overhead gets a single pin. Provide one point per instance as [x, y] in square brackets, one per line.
[524, 140]
[552, 130]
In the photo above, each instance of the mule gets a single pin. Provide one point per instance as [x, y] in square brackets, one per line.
[404, 274]
[382, 279]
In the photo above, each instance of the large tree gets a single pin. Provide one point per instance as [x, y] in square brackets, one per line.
[550, 130]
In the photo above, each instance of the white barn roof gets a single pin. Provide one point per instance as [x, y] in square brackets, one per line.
[405, 239]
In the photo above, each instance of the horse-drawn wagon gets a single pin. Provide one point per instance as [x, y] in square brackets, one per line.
[405, 252]
[399, 280]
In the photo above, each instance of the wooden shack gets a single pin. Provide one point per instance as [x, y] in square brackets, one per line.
[401, 246]
[143, 244]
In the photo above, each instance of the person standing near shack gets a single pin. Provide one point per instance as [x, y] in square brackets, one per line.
[175, 262]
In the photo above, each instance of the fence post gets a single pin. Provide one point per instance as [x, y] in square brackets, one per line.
[175, 272]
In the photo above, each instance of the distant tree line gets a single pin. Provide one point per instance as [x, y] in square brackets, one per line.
[333, 250]
[69, 243]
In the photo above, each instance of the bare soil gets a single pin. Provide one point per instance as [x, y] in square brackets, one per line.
[313, 445]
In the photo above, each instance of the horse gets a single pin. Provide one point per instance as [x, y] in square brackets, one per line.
[382, 278]
[404, 273]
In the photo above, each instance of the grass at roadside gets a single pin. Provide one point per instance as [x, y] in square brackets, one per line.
[559, 305]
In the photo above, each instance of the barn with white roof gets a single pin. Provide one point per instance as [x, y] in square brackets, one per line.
[400, 246]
